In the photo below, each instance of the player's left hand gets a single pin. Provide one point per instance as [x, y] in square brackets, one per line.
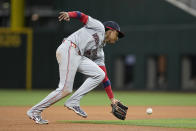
[64, 16]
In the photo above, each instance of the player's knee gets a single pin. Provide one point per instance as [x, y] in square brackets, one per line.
[67, 90]
[64, 89]
[101, 75]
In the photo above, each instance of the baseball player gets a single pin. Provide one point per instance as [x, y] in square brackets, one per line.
[82, 51]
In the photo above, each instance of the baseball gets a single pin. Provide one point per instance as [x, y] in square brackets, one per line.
[149, 111]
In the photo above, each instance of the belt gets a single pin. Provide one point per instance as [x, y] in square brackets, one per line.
[72, 44]
[75, 46]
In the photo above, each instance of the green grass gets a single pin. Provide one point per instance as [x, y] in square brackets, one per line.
[99, 98]
[175, 123]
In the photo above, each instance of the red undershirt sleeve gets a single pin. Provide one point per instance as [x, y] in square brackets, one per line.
[79, 15]
[107, 84]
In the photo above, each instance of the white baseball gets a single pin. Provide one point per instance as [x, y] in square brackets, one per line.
[149, 111]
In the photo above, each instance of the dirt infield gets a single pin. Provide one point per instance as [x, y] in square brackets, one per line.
[15, 119]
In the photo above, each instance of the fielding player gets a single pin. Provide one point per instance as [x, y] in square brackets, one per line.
[82, 51]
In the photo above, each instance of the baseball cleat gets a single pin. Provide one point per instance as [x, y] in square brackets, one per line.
[78, 110]
[36, 117]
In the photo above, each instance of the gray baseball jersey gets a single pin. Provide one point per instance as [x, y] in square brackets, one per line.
[89, 40]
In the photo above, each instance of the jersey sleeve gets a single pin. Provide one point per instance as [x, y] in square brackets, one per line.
[95, 25]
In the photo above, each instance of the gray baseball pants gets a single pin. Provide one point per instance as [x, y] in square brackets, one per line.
[70, 62]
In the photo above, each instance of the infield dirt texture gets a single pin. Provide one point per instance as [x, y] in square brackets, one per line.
[13, 118]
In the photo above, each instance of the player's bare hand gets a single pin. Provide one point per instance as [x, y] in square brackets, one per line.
[114, 101]
[64, 16]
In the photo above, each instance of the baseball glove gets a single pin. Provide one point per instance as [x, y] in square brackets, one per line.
[119, 110]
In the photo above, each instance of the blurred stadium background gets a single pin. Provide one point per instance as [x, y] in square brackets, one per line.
[158, 52]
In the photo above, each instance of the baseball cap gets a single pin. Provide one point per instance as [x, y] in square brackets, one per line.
[113, 26]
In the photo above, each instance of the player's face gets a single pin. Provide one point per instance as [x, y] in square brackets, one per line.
[113, 37]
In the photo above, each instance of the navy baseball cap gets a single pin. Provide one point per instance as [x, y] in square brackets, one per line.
[113, 26]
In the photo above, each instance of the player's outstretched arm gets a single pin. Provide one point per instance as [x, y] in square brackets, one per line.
[74, 14]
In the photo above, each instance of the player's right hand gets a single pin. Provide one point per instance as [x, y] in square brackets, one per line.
[64, 16]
